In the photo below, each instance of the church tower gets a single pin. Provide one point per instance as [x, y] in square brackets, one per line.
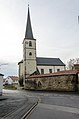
[29, 49]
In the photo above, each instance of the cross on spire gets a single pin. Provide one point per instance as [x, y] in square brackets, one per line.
[28, 4]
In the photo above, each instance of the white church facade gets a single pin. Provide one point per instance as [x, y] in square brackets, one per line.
[31, 64]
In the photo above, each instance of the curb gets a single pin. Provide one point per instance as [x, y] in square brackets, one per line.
[3, 98]
[29, 111]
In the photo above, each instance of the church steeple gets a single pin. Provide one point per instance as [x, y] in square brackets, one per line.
[28, 32]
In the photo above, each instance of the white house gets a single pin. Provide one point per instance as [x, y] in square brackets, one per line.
[11, 80]
[1, 83]
[31, 64]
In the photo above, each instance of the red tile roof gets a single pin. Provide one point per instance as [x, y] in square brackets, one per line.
[14, 77]
[76, 64]
[60, 73]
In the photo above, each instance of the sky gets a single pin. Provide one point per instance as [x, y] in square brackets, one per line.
[54, 24]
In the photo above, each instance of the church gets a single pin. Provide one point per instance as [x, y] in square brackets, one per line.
[31, 64]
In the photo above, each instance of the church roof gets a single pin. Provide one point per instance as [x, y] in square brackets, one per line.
[49, 61]
[28, 32]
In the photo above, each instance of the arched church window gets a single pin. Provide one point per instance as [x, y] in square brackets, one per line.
[30, 43]
[30, 53]
[39, 84]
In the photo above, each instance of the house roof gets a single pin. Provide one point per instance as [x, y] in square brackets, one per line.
[14, 77]
[76, 64]
[60, 73]
[49, 61]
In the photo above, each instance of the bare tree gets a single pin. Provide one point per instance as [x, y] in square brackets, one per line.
[77, 60]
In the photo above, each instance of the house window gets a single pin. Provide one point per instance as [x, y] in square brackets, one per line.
[58, 70]
[30, 54]
[50, 70]
[42, 71]
[30, 43]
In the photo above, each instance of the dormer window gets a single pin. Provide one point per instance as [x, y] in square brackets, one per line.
[30, 43]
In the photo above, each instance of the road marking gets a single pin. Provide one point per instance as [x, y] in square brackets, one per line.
[60, 108]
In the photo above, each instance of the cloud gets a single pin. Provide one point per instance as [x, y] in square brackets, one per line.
[9, 70]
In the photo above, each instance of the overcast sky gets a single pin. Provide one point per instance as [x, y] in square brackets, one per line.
[54, 24]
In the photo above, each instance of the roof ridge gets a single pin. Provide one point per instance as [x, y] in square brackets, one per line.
[48, 57]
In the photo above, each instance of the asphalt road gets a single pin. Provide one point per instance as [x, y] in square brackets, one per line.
[52, 105]
[14, 104]
[56, 106]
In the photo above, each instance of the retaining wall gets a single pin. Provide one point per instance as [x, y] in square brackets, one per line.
[63, 82]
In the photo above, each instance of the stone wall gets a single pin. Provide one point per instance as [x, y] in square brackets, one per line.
[68, 82]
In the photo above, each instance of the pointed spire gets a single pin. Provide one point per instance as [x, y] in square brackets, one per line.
[28, 33]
